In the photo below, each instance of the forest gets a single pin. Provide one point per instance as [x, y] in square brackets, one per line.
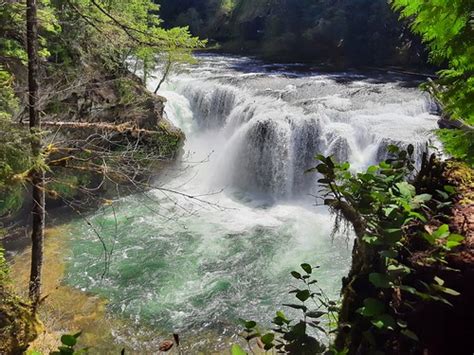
[236, 177]
[335, 33]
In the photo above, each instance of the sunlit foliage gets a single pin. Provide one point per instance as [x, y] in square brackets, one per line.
[447, 27]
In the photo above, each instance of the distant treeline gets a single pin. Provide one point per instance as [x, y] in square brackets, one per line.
[339, 33]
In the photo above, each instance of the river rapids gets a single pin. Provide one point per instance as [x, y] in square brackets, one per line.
[246, 213]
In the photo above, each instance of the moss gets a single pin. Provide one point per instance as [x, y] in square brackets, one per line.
[67, 185]
[56, 107]
[126, 91]
[461, 175]
[19, 326]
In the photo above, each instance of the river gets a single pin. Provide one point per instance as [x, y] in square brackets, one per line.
[246, 213]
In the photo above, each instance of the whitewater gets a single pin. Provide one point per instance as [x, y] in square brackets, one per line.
[216, 238]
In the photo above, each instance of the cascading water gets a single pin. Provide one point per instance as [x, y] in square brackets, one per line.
[194, 265]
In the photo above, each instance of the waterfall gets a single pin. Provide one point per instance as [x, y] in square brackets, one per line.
[267, 129]
[194, 262]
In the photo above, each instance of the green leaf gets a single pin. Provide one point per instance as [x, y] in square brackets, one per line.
[442, 232]
[307, 268]
[320, 157]
[65, 350]
[296, 306]
[450, 189]
[323, 169]
[281, 315]
[237, 350]
[398, 269]
[420, 199]
[409, 334]
[406, 189]
[330, 163]
[68, 340]
[315, 314]
[388, 210]
[248, 324]
[372, 169]
[369, 239]
[418, 216]
[392, 148]
[380, 280]
[454, 240]
[409, 289]
[384, 321]
[296, 275]
[77, 335]
[303, 295]
[429, 238]
[299, 329]
[450, 291]
[345, 166]
[372, 307]
[267, 339]
[443, 194]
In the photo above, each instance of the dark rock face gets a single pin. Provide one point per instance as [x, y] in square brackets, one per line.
[110, 100]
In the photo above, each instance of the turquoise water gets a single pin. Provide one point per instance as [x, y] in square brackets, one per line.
[204, 271]
[243, 213]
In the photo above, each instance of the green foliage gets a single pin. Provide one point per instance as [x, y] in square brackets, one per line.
[389, 215]
[15, 160]
[69, 342]
[458, 143]
[447, 27]
[81, 41]
[4, 273]
[65, 185]
[345, 32]
[115, 31]
[12, 29]
[15, 157]
[125, 89]
[294, 336]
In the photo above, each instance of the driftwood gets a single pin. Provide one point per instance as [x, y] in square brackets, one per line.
[121, 128]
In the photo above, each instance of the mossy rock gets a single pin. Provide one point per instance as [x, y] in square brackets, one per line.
[19, 326]
[461, 175]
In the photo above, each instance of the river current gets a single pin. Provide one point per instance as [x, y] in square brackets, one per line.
[246, 213]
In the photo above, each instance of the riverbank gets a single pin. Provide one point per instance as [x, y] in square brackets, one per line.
[64, 309]
[195, 262]
[68, 310]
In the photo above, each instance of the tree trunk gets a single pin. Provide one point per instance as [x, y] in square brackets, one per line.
[37, 177]
[165, 74]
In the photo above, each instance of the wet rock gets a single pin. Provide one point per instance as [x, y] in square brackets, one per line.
[166, 345]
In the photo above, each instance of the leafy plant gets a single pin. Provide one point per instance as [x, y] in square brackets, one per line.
[388, 215]
[294, 336]
[69, 342]
[15, 159]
